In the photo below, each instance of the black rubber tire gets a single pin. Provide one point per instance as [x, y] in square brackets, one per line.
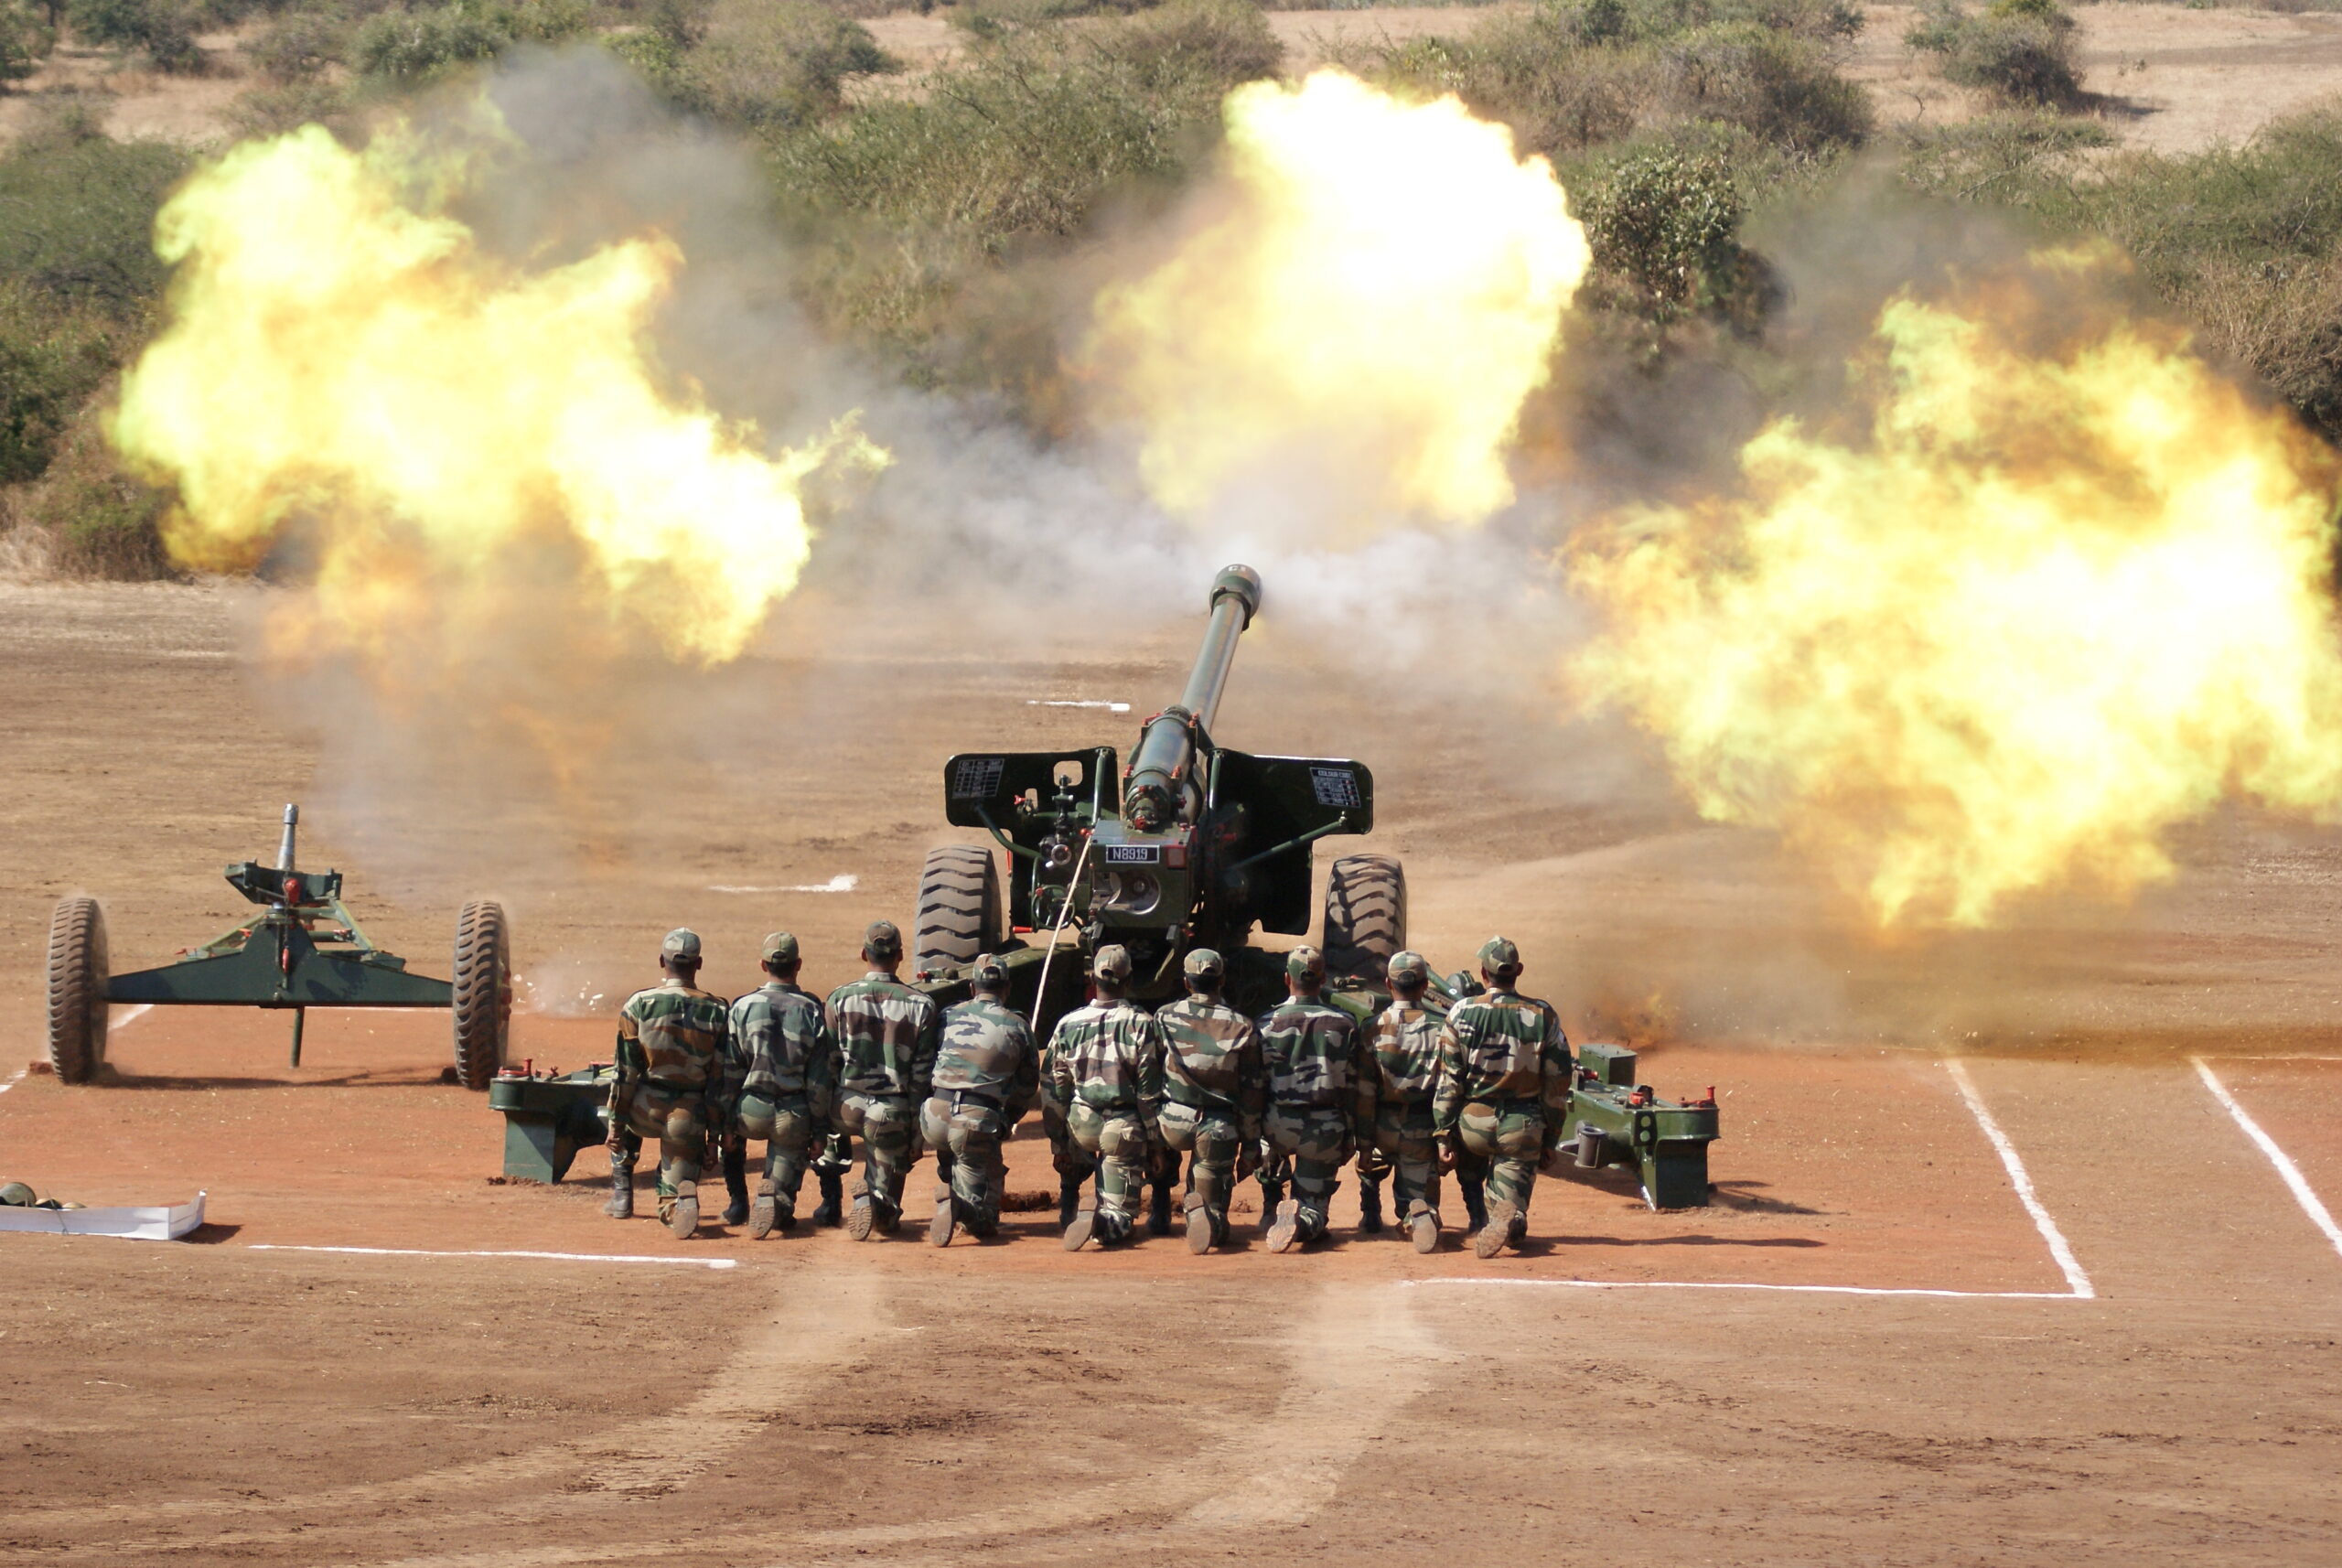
[483, 1009]
[77, 989]
[1366, 916]
[958, 909]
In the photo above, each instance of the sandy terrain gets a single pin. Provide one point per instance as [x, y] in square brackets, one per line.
[816, 1401]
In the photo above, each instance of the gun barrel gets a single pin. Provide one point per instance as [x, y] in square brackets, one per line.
[1159, 767]
[285, 847]
[1235, 600]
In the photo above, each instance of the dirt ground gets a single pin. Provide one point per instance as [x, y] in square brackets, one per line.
[2171, 79]
[1864, 1351]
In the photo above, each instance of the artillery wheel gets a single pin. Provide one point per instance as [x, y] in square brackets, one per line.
[77, 989]
[959, 907]
[1366, 916]
[483, 983]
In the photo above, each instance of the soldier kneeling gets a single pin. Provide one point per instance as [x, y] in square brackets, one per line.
[672, 1044]
[987, 1074]
[1105, 1077]
[1212, 1091]
[786, 1090]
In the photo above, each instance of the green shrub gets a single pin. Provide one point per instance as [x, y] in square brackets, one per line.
[104, 521]
[161, 31]
[2021, 50]
[1666, 227]
[53, 357]
[765, 66]
[80, 211]
[300, 45]
[25, 40]
[1574, 77]
[407, 48]
[911, 205]
[272, 110]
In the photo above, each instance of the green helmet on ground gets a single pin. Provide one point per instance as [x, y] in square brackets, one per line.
[16, 1195]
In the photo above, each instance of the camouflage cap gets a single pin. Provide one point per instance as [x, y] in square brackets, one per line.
[989, 970]
[779, 947]
[16, 1195]
[1306, 964]
[1204, 964]
[1408, 968]
[1500, 957]
[883, 940]
[1112, 964]
[681, 943]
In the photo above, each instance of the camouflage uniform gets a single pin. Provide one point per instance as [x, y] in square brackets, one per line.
[1213, 1089]
[672, 1046]
[986, 1075]
[884, 1037]
[788, 1095]
[1310, 1049]
[1503, 1091]
[1398, 1070]
[1104, 1073]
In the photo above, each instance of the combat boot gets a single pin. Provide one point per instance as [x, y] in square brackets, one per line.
[939, 1230]
[1083, 1222]
[681, 1211]
[1158, 1214]
[1203, 1231]
[1369, 1208]
[621, 1203]
[1285, 1229]
[1423, 1227]
[1503, 1229]
[1474, 1190]
[1068, 1201]
[1272, 1198]
[825, 1213]
[765, 1216]
[735, 1184]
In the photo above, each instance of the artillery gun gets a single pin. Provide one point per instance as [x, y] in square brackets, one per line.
[1194, 845]
[304, 949]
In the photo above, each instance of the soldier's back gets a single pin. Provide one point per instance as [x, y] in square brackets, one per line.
[1103, 1050]
[1402, 1047]
[682, 1031]
[776, 1030]
[1204, 1047]
[984, 1044]
[880, 1022]
[1502, 1043]
[1310, 1050]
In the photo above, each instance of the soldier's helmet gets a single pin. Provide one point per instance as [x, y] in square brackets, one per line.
[779, 947]
[16, 1195]
[990, 971]
[1408, 971]
[1306, 964]
[882, 943]
[1112, 964]
[1206, 967]
[681, 945]
[1500, 960]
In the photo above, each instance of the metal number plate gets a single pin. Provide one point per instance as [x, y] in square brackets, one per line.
[977, 777]
[1133, 854]
[1336, 787]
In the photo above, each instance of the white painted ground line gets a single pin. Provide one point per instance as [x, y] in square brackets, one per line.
[14, 1079]
[1736, 1284]
[2058, 1250]
[562, 1257]
[2277, 1156]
